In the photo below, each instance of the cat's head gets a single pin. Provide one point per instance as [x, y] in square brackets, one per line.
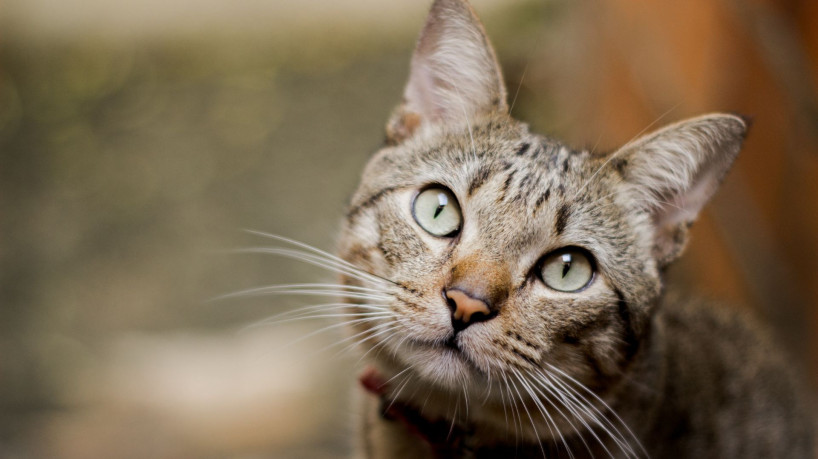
[504, 251]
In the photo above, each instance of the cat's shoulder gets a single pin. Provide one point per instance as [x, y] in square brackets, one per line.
[730, 348]
[694, 324]
[688, 312]
[721, 364]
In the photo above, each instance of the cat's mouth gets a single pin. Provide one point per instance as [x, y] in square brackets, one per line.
[452, 345]
[450, 351]
[449, 345]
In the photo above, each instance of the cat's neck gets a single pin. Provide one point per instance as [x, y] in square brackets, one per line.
[450, 425]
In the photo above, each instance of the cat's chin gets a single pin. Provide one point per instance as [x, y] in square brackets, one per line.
[442, 364]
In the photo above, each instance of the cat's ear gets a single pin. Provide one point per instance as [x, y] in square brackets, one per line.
[454, 76]
[673, 172]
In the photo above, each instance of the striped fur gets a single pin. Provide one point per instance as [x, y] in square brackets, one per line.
[614, 370]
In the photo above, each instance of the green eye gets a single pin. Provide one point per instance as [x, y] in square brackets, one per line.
[567, 270]
[436, 211]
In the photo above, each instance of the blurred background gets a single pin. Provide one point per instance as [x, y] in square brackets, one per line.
[137, 140]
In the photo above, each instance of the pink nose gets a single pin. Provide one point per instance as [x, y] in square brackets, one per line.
[466, 306]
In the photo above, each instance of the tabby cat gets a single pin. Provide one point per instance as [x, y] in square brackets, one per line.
[507, 289]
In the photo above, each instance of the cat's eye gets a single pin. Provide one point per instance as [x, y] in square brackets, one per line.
[569, 269]
[436, 210]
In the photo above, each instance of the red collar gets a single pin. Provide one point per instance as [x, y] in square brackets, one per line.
[445, 438]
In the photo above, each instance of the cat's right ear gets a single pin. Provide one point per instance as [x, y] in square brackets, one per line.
[673, 172]
[454, 76]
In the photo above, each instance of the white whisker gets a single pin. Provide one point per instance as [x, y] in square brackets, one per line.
[367, 315]
[549, 420]
[620, 150]
[303, 311]
[398, 392]
[454, 418]
[528, 413]
[396, 375]
[468, 122]
[465, 395]
[279, 290]
[328, 328]
[515, 419]
[326, 255]
[519, 86]
[317, 261]
[576, 405]
[598, 399]
[370, 334]
[546, 385]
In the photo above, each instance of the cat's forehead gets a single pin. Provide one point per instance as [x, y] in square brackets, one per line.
[506, 162]
[516, 189]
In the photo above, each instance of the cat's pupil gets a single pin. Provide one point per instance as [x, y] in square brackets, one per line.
[442, 201]
[566, 264]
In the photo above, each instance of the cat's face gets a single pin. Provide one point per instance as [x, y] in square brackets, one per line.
[503, 253]
[516, 205]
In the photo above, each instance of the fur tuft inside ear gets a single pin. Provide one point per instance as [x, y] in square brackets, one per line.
[673, 172]
[454, 76]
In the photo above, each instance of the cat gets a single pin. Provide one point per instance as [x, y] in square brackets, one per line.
[507, 290]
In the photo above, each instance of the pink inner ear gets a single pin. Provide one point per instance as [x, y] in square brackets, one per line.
[420, 92]
[684, 207]
[672, 218]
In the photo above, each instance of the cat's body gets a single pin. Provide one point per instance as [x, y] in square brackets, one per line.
[705, 387]
[508, 289]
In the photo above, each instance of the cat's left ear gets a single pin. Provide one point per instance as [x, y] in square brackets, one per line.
[674, 172]
[454, 76]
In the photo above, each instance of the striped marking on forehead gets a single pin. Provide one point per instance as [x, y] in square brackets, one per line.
[530, 179]
[373, 199]
[479, 179]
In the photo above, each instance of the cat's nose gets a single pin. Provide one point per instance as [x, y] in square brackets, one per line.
[466, 308]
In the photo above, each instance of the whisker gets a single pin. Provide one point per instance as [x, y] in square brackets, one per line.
[371, 333]
[549, 420]
[400, 389]
[465, 395]
[557, 393]
[282, 290]
[519, 86]
[454, 418]
[331, 286]
[515, 419]
[622, 149]
[371, 315]
[599, 399]
[342, 306]
[600, 420]
[576, 406]
[303, 245]
[528, 413]
[379, 328]
[503, 400]
[323, 307]
[317, 261]
[648, 200]
[488, 387]
[320, 252]
[468, 122]
[598, 139]
[328, 328]
[645, 129]
[607, 427]
[397, 375]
